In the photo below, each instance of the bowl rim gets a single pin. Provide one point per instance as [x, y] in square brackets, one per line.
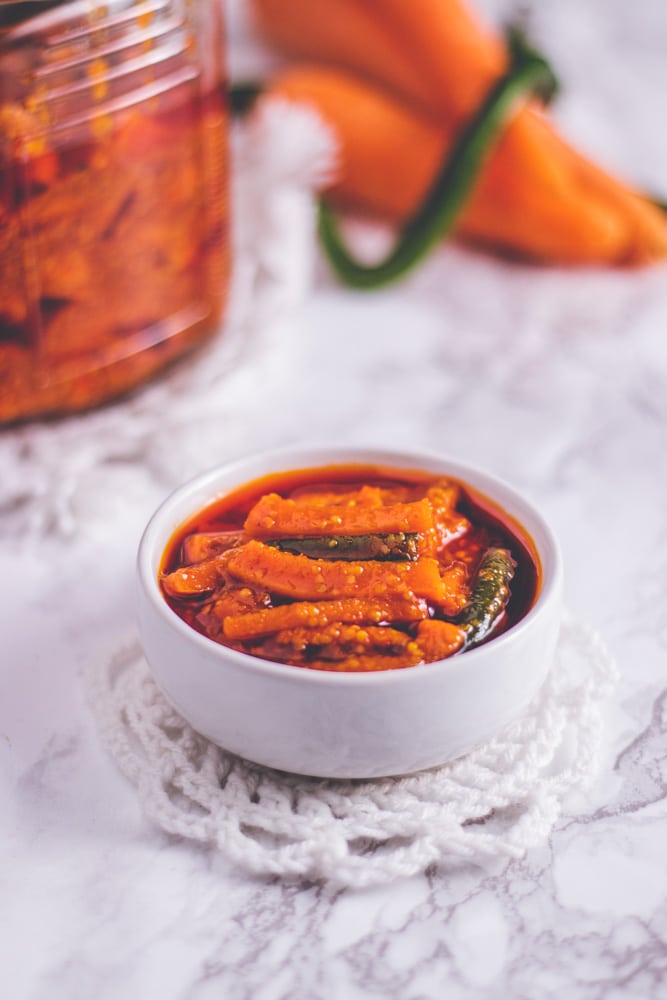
[162, 525]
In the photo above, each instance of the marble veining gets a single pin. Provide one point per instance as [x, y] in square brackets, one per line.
[558, 382]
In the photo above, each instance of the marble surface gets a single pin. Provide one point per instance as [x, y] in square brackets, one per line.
[555, 381]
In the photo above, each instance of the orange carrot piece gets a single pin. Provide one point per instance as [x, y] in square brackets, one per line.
[342, 647]
[194, 581]
[230, 600]
[274, 517]
[438, 639]
[303, 578]
[202, 545]
[239, 600]
[448, 523]
[367, 496]
[342, 636]
[321, 614]
[444, 494]
[371, 662]
[456, 588]
[368, 649]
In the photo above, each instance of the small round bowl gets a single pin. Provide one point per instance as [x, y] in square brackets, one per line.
[345, 725]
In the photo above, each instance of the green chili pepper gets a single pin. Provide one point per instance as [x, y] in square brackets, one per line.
[528, 73]
[242, 97]
[400, 546]
[490, 595]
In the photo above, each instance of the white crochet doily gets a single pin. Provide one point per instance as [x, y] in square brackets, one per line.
[499, 800]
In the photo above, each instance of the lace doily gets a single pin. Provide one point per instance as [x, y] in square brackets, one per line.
[499, 800]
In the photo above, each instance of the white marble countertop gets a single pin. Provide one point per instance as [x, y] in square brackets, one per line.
[555, 381]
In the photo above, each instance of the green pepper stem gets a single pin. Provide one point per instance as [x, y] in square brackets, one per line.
[528, 73]
[242, 96]
[660, 203]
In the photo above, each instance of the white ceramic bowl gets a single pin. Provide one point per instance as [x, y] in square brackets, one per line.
[345, 725]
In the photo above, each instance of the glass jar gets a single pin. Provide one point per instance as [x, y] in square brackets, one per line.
[114, 231]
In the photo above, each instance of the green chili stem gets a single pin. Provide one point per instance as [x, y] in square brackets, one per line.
[660, 203]
[242, 97]
[528, 73]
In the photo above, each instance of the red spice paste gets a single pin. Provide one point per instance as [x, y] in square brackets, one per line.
[351, 568]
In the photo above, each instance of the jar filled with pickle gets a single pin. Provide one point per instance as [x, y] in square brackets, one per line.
[114, 212]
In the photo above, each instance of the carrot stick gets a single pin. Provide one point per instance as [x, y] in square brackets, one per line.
[438, 640]
[203, 544]
[455, 588]
[342, 639]
[367, 496]
[320, 614]
[448, 522]
[342, 647]
[274, 517]
[303, 578]
[196, 580]
[369, 662]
